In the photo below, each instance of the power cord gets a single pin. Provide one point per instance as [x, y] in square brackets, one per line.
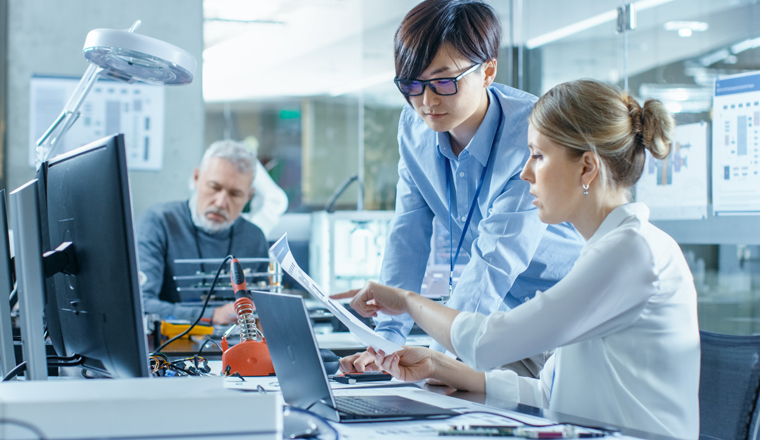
[28, 426]
[205, 304]
[205, 342]
[287, 410]
[58, 361]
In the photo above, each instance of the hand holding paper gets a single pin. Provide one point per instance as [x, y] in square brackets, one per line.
[374, 298]
[281, 251]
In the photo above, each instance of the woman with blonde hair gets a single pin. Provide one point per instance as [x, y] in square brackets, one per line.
[624, 318]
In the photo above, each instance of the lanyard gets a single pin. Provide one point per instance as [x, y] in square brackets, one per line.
[198, 244]
[452, 256]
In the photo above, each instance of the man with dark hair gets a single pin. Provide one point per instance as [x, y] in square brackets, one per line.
[463, 143]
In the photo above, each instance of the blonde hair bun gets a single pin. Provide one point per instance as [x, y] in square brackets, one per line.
[658, 128]
[589, 115]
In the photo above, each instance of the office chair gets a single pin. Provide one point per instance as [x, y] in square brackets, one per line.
[754, 424]
[728, 386]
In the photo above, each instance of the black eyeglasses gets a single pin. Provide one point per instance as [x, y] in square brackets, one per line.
[439, 86]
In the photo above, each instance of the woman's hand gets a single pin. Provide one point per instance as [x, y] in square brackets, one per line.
[409, 364]
[374, 297]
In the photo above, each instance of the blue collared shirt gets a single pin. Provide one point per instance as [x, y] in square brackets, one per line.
[512, 254]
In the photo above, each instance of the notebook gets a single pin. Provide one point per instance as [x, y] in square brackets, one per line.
[298, 365]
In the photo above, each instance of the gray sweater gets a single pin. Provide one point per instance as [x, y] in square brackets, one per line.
[166, 232]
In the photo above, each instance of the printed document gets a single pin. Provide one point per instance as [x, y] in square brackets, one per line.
[281, 251]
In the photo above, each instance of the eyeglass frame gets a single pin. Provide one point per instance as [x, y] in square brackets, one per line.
[426, 82]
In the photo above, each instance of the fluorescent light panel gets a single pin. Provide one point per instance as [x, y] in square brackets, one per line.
[587, 24]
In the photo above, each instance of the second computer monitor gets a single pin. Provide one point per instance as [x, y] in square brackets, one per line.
[99, 305]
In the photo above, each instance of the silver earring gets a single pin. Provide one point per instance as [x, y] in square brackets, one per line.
[585, 189]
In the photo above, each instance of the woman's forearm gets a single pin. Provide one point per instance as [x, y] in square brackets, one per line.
[434, 318]
[457, 374]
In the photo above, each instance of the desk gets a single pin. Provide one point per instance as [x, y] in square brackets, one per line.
[345, 343]
[381, 430]
[67, 408]
[537, 412]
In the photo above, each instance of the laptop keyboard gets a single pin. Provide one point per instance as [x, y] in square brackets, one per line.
[358, 405]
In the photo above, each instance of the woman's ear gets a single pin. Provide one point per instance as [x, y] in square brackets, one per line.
[590, 168]
[489, 69]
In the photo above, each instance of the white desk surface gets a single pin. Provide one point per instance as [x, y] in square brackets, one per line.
[473, 413]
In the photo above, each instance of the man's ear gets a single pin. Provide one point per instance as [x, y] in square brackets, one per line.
[489, 69]
[251, 193]
[591, 167]
[196, 174]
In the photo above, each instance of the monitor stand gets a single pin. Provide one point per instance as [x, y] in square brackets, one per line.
[31, 281]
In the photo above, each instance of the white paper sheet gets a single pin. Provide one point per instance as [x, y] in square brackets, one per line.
[281, 251]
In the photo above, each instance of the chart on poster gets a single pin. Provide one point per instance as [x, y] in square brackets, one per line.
[735, 145]
[675, 188]
[137, 110]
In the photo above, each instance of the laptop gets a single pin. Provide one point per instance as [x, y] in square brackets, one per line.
[298, 365]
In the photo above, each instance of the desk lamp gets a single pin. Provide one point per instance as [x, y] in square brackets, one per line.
[125, 56]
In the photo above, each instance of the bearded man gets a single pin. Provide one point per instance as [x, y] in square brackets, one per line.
[208, 225]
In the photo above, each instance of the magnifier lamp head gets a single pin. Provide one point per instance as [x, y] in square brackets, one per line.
[131, 57]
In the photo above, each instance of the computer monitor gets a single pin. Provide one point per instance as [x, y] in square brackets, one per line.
[52, 324]
[7, 353]
[98, 297]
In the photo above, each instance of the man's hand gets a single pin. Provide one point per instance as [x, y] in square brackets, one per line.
[358, 363]
[374, 297]
[409, 364]
[224, 315]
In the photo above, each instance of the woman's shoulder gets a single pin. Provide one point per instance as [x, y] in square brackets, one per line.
[642, 245]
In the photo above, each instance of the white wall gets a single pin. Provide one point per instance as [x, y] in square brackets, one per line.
[46, 37]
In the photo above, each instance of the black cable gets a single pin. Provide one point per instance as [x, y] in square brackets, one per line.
[25, 425]
[315, 416]
[13, 297]
[206, 341]
[18, 369]
[60, 361]
[205, 304]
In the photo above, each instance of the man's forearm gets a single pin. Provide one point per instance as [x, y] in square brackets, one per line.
[434, 318]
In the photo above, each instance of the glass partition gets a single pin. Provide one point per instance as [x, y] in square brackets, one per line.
[311, 81]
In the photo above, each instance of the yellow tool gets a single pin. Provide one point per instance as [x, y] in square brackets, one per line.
[171, 330]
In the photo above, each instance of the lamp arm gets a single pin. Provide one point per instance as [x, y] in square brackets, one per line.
[69, 115]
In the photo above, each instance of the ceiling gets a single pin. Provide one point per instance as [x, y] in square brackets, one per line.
[267, 50]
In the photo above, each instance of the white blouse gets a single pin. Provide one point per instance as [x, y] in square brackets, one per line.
[625, 318]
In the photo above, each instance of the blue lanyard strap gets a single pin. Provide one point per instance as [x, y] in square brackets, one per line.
[453, 257]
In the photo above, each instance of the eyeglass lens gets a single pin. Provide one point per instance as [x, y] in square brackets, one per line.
[441, 87]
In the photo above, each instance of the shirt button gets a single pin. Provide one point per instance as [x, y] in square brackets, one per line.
[526, 299]
[464, 219]
[461, 174]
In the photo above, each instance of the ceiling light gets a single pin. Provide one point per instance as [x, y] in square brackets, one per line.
[685, 32]
[714, 57]
[588, 23]
[744, 45]
[698, 26]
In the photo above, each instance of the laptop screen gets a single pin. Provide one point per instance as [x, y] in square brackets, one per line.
[293, 347]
